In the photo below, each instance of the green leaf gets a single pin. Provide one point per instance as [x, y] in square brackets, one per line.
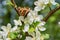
[52, 19]
[13, 35]
[31, 29]
[46, 36]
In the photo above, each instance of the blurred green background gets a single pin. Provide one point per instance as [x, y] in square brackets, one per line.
[8, 14]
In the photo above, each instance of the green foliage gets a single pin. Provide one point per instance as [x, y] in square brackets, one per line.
[13, 35]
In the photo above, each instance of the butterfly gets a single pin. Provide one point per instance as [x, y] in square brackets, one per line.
[23, 11]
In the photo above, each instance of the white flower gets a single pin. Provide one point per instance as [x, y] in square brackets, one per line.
[38, 18]
[6, 30]
[37, 8]
[42, 28]
[30, 17]
[33, 16]
[46, 1]
[52, 2]
[39, 5]
[3, 35]
[21, 18]
[1, 39]
[37, 34]
[8, 39]
[28, 21]
[59, 23]
[32, 13]
[28, 38]
[26, 28]
[20, 36]
[18, 22]
[42, 23]
[13, 29]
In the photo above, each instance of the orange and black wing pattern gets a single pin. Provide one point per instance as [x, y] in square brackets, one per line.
[23, 11]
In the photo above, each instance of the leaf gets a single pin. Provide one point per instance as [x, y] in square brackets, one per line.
[13, 35]
[46, 36]
[31, 29]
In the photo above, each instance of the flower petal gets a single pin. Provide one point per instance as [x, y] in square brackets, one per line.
[26, 28]
[4, 28]
[14, 29]
[16, 22]
[42, 29]
[28, 38]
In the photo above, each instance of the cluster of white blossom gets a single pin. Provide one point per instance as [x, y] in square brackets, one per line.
[30, 19]
[41, 4]
[6, 30]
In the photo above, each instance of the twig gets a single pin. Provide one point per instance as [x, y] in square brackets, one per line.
[15, 7]
[13, 2]
[50, 13]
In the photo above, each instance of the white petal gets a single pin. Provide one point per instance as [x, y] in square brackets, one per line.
[0, 36]
[4, 28]
[5, 35]
[20, 23]
[16, 22]
[36, 3]
[28, 38]
[8, 26]
[53, 2]
[37, 8]
[41, 17]
[59, 23]
[38, 18]
[37, 34]
[36, 29]
[14, 29]
[42, 29]
[1, 39]
[43, 7]
[29, 14]
[42, 23]
[26, 28]
[1, 32]
[21, 18]
[26, 20]
[8, 39]
[46, 1]
[31, 20]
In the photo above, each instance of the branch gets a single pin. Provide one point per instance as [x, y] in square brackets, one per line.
[50, 13]
[15, 7]
[13, 2]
